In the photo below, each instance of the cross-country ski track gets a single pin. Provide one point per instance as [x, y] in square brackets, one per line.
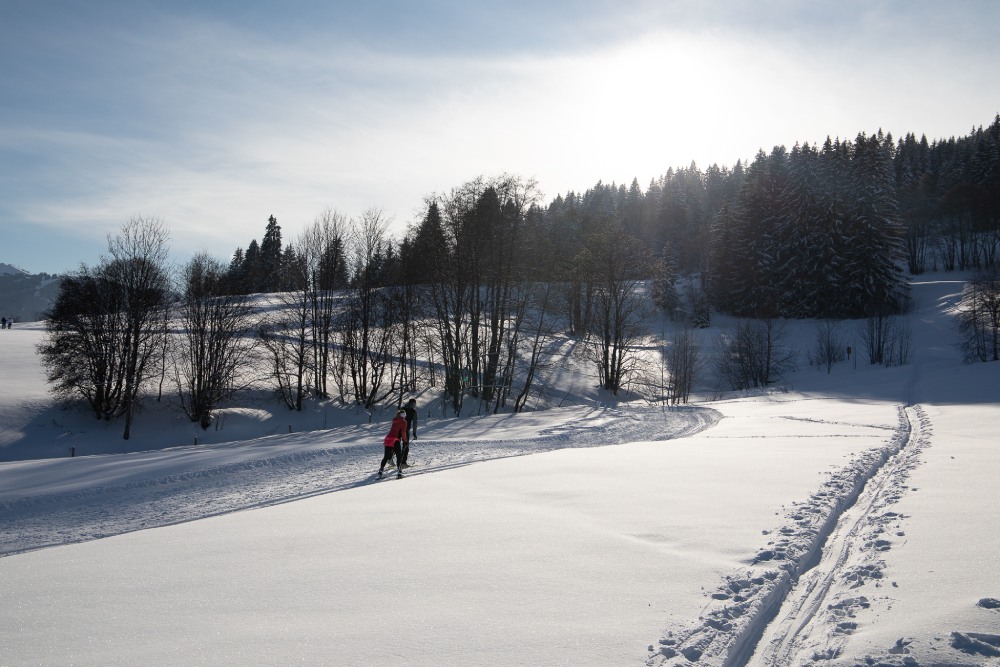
[813, 623]
[779, 612]
[212, 480]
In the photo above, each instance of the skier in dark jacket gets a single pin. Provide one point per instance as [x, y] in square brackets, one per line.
[411, 428]
[394, 443]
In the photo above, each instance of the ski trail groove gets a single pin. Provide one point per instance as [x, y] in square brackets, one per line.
[810, 625]
[103, 509]
[791, 580]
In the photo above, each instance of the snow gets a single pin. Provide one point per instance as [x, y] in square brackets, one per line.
[858, 511]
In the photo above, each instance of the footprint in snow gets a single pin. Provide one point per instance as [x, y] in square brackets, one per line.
[976, 643]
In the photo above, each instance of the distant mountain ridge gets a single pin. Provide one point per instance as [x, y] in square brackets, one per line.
[25, 297]
[11, 270]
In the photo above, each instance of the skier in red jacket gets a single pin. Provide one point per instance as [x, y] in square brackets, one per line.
[394, 443]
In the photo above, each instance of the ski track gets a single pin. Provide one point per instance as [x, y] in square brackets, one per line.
[778, 612]
[40, 521]
[790, 580]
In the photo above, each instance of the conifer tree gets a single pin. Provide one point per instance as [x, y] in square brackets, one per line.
[234, 274]
[270, 258]
[873, 233]
[430, 247]
[251, 272]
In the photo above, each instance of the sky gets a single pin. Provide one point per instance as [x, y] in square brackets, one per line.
[213, 116]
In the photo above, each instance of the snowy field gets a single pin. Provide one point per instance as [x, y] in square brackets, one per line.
[842, 519]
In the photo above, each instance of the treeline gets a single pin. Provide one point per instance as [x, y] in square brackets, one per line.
[24, 297]
[465, 303]
[815, 231]
[465, 300]
[468, 300]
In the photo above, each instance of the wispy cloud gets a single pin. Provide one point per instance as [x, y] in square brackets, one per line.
[213, 121]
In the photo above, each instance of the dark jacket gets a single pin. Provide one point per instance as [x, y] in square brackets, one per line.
[411, 418]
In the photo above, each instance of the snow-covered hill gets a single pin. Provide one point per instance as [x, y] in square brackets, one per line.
[24, 297]
[849, 519]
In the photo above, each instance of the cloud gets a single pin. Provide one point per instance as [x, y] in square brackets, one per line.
[215, 121]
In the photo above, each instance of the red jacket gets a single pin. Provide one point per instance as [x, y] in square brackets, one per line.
[396, 432]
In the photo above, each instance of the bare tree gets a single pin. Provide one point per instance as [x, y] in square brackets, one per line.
[618, 265]
[886, 339]
[408, 279]
[830, 349]
[81, 349]
[505, 292]
[322, 251]
[684, 362]
[979, 316]
[449, 295]
[541, 324]
[754, 355]
[285, 334]
[107, 324]
[138, 266]
[542, 259]
[217, 339]
[478, 288]
[370, 319]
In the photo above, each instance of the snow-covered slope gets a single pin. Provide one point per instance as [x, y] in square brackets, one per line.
[25, 297]
[11, 270]
[849, 520]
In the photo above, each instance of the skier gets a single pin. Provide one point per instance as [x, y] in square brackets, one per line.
[411, 428]
[394, 443]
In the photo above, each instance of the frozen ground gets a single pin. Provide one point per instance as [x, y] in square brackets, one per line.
[851, 519]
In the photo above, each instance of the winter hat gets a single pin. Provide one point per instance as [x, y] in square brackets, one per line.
[412, 401]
